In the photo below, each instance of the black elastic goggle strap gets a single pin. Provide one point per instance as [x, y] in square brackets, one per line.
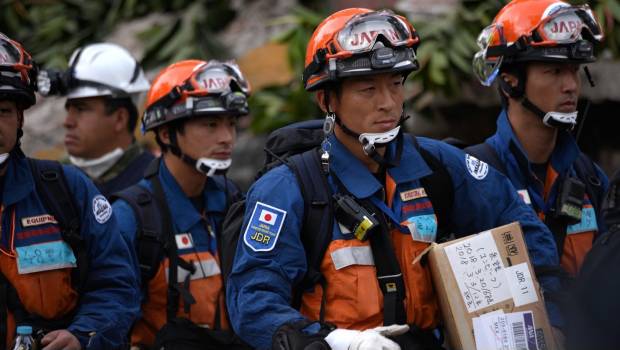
[318, 61]
[22, 90]
[508, 50]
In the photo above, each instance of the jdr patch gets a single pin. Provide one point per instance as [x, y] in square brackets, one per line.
[264, 227]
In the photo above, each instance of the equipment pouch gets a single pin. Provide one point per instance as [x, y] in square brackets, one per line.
[353, 216]
[570, 200]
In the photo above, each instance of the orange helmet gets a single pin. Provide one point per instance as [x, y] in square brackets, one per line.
[536, 30]
[196, 88]
[17, 73]
[358, 41]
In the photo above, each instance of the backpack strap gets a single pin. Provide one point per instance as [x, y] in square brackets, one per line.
[51, 185]
[150, 238]
[586, 171]
[318, 219]
[485, 152]
[440, 190]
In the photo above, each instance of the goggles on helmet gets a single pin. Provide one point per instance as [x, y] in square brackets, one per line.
[362, 31]
[213, 88]
[15, 63]
[558, 36]
[386, 39]
[565, 26]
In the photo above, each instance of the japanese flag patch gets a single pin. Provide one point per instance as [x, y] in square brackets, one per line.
[184, 240]
[477, 168]
[264, 227]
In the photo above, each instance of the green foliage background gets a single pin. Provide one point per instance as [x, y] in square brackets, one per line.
[52, 29]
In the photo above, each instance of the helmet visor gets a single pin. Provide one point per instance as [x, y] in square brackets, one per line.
[566, 25]
[218, 78]
[487, 67]
[362, 31]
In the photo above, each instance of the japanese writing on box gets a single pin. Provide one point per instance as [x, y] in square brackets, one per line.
[509, 244]
[479, 271]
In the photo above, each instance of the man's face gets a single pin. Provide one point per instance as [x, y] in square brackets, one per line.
[10, 121]
[208, 137]
[371, 103]
[89, 128]
[553, 86]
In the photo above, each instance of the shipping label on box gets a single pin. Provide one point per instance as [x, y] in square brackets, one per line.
[487, 292]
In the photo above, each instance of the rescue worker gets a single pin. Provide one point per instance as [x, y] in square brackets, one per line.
[356, 63]
[590, 322]
[68, 277]
[534, 50]
[103, 86]
[192, 107]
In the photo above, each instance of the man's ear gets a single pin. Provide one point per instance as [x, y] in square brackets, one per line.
[320, 100]
[326, 102]
[509, 78]
[20, 118]
[121, 119]
[164, 135]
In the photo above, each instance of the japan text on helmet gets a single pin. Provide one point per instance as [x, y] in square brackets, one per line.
[536, 30]
[357, 41]
[196, 88]
[17, 73]
[101, 69]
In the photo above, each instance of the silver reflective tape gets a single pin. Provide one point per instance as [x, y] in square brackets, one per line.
[348, 256]
[209, 268]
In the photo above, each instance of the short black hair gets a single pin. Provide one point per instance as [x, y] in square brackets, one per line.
[112, 104]
[173, 127]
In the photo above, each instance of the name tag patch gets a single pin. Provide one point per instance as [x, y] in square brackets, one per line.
[587, 223]
[413, 194]
[44, 257]
[423, 228]
[264, 227]
[38, 220]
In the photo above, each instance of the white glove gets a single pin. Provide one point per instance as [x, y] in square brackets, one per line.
[370, 339]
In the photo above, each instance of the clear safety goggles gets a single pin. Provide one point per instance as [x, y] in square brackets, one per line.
[216, 78]
[13, 59]
[362, 31]
[566, 25]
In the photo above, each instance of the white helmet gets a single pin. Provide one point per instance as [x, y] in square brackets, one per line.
[104, 69]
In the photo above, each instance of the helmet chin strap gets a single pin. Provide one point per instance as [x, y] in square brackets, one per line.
[207, 166]
[212, 166]
[370, 142]
[564, 121]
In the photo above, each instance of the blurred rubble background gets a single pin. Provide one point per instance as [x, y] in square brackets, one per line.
[268, 39]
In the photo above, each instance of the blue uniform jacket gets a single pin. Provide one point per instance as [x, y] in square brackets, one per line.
[259, 287]
[519, 171]
[109, 303]
[185, 217]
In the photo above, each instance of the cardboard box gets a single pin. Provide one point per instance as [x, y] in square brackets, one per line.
[490, 274]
